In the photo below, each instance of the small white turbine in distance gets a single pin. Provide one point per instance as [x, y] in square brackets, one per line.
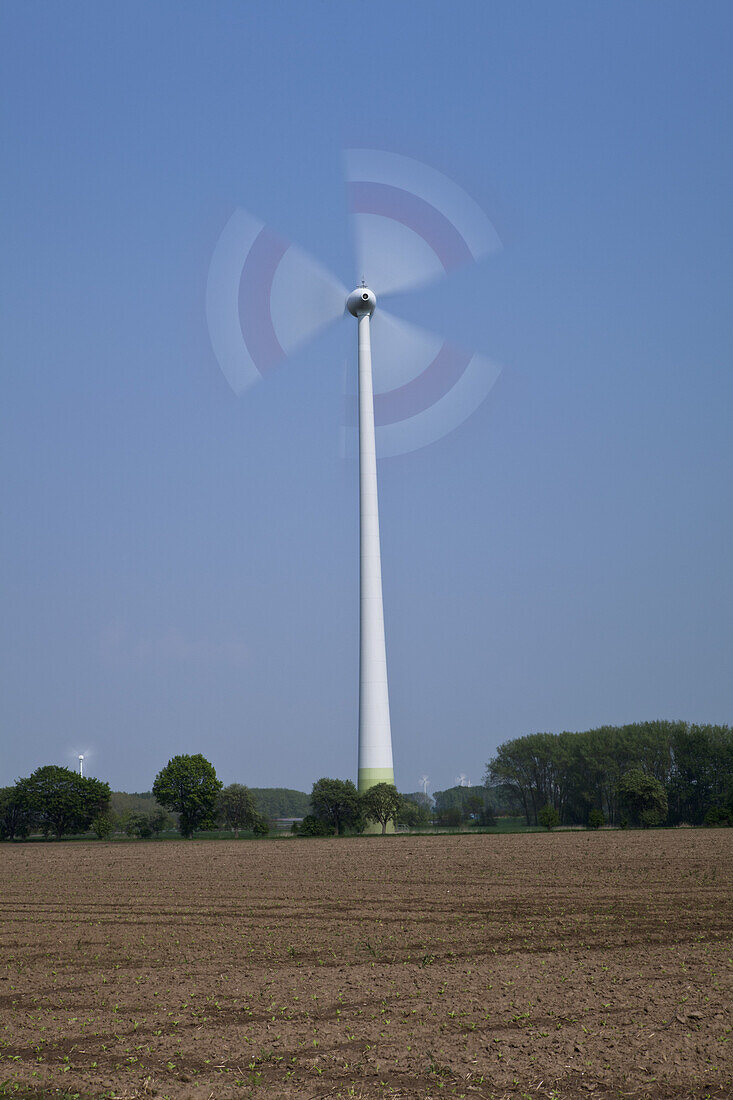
[424, 781]
[463, 780]
[79, 755]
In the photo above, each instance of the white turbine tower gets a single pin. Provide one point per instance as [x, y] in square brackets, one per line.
[81, 764]
[265, 298]
[424, 780]
[375, 731]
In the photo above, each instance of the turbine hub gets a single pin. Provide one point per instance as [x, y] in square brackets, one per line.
[362, 300]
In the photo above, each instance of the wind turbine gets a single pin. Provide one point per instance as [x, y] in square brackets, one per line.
[375, 730]
[463, 780]
[79, 756]
[424, 784]
[265, 298]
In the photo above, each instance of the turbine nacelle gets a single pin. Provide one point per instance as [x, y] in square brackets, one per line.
[361, 301]
[265, 298]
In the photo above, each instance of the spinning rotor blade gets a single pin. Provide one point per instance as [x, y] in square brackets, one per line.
[424, 387]
[265, 298]
[411, 223]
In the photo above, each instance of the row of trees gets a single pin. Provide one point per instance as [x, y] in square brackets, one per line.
[338, 808]
[57, 801]
[459, 806]
[643, 774]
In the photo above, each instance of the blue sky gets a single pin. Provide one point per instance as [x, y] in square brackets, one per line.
[180, 566]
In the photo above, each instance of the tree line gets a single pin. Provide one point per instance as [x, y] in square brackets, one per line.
[646, 773]
[57, 801]
[186, 795]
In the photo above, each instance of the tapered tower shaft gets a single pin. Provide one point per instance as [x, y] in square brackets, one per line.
[375, 733]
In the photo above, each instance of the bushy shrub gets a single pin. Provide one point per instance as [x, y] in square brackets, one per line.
[314, 826]
[450, 818]
[133, 824]
[595, 819]
[719, 815]
[549, 817]
[414, 811]
[102, 826]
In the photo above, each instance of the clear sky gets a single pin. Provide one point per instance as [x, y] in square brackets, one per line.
[180, 565]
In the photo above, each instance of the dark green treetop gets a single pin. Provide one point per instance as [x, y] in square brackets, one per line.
[644, 797]
[16, 819]
[237, 809]
[549, 817]
[337, 802]
[381, 803]
[188, 786]
[61, 800]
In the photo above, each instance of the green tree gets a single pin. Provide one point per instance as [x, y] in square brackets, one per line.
[138, 824]
[535, 770]
[479, 808]
[549, 817]
[415, 811]
[702, 774]
[61, 800]
[450, 809]
[313, 826]
[159, 820]
[458, 805]
[718, 815]
[451, 817]
[16, 819]
[381, 803]
[102, 826]
[275, 802]
[644, 797]
[236, 808]
[337, 802]
[595, 819]
[188, 785]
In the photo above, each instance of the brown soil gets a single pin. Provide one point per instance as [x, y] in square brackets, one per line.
[552, 966]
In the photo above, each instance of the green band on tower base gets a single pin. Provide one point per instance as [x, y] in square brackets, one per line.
[369, 777]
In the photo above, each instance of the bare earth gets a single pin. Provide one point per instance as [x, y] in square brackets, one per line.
[550, 966]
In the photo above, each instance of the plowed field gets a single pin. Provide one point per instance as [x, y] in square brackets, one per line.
[556, 965]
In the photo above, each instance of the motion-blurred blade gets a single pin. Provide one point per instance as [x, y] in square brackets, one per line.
[411, 224]
[424, 387]
[265, 297]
